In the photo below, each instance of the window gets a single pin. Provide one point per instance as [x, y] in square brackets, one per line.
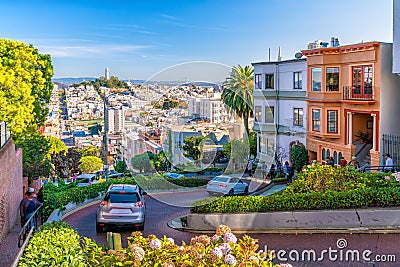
[316, 120]
[262, 144]
[269, 81]
[258, 81]
[332, 121]
[362, 81]
[257, 114]
[316, 79]
[297, 80]
[297, 117]
[270, 146]
[332, 79]
[269, 114]
[323, 154]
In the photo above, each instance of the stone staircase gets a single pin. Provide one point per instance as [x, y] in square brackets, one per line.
[363, 154]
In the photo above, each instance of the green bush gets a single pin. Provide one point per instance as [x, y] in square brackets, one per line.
[319, 187]
[357, 198]
[57, 244]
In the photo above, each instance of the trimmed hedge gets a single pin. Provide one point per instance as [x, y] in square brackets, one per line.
[318, 187]
[358, 198]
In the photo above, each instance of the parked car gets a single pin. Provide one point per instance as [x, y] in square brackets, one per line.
[122, 205]
[85, 179]
[227, 185]
[173, 175]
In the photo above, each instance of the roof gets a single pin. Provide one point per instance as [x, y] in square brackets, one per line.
[343, 48]
[123, 187]
[279, 62]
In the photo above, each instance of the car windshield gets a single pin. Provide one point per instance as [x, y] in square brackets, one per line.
[220, 179]
[119, 197]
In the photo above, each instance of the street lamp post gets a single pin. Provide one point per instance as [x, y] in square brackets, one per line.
[105, 134]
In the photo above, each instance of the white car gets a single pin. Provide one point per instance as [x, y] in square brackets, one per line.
[227, 185]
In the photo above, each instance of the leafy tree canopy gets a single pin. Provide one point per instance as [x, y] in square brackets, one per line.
[238, 150]
[113, 82]
[299, 157]
[90, 164]
[142, 163]
[56, 146]
[90, 151]
[35, 160]
[193, 147]
[120, 167]
[25, 87]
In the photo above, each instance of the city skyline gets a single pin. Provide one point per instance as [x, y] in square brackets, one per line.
[136, 40]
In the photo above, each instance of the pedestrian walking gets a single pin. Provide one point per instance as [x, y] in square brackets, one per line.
[264, 170]
[250, 168]
[355, 163]
[28, 206]
[388, 163]
[330, 162]
[343, 162]
[286, 170]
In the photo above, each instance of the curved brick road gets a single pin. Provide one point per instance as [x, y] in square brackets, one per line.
[158, 214]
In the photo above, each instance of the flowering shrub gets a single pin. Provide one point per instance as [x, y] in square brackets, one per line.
[223, 249]
[57, 244]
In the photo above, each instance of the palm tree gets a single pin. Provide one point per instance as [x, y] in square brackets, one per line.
[238, 93]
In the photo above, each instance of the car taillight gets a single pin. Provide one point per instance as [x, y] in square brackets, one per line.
[138, 204]
[223, 185]
[209, 183]
[103, 203]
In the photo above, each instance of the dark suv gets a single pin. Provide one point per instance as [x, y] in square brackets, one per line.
[123, 205]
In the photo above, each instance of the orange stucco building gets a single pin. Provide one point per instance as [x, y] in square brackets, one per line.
[345, 98]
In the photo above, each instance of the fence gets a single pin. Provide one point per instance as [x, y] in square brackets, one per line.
[30, 225]
[391, 145]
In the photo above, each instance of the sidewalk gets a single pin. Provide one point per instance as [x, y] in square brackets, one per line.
[9, 247]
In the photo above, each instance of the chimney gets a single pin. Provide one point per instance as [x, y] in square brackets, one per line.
[336, 42]
[279, 54]
[333, 42]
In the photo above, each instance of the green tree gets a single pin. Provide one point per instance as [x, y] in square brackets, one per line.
[237, 95]
[237, 150]
[193, 147]
[160, 161]
[56, 146]
[35, 160]
[90, 164]
[299, 157]
[25, 87]
[120, 167]
[142, 163]
[253, 143]
[90, 151]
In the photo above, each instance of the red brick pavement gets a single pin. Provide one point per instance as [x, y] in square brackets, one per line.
[9, 247]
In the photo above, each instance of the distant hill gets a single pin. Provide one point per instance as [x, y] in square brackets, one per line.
[69, 81]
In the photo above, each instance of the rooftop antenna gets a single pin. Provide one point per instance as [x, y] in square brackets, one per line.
[269, 54]
[279, 54]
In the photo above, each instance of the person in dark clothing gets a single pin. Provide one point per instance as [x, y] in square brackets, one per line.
[330, 162]
[27, 207]
[272, 172]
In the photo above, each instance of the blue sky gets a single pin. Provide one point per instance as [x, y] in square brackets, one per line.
[136, 39]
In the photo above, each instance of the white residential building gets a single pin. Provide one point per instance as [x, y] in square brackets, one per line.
[209, 107]
[279, 107]
[396, 36]
[115, 119]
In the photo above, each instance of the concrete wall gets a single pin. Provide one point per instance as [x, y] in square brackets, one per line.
[390, 94]
[12, 187]
[396, 36]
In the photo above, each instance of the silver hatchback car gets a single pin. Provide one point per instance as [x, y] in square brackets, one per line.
[123, 205]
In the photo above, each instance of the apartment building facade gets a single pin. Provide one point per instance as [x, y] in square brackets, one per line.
[279, 107]
[351, 94]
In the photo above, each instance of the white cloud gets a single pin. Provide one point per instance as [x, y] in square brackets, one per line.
[88, 50]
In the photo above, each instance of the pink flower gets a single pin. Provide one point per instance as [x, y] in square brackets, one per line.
[229, 237]
[285, 265]
[387, 177]
[217, 252]
[215, 238]
[225, 248]
[155, 244]
[230, 259]
[171, 240]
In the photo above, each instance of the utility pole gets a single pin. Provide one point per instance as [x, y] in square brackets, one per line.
[105, 134]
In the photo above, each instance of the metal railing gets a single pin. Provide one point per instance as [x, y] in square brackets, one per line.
[358, 94]
[4, 134]
[30, 225]
[394, 168]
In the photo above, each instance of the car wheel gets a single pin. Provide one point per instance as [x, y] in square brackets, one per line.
[231, 193]
[99, 229]
[246, 190]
